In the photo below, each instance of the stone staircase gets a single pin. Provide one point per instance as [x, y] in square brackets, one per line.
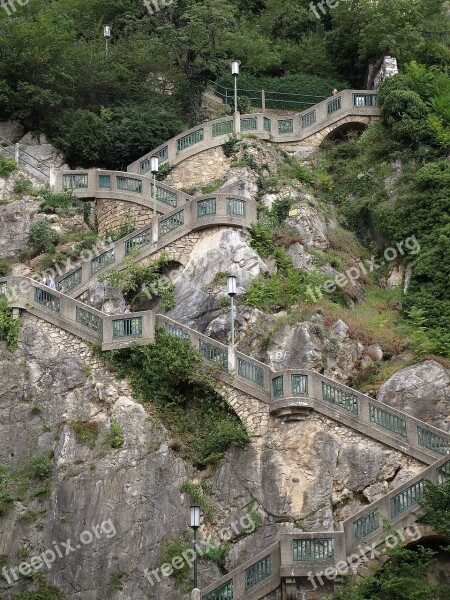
[287, 395]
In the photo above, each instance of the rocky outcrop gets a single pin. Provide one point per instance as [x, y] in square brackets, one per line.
[305, 474]
[201, 283]
[423, 391]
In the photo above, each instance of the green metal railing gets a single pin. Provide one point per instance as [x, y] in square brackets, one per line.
[443, 472]
[277, 386]
[75, 182]
[299, 385]
[409, 497]
[340, 398]
[235, 207]
[267, 124]
[47, 299]
[129, 184]
[171, 223]
[89, 320]
[177, 332]
[285, 126]
[138, 241]
[387, 420]
[365, 525]
[432, 441]
[312, 550]
[249, 124]
[104, 181]
[3, 288]
[334, 105]
[222, 128]
[365, 100]
[162, 155]
[250, 372]
[71, 281]
[103, 260]
[206, 207]
[213, 353]
[224, 592]
[258, 572]
[308, 119]
[165, 196]
[275, 100]
[131, 327]
[190, 139]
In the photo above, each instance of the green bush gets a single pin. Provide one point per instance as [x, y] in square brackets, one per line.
[41, 466]
[9, 327]
[5, 267]
[173, 547]
[7, 166]
[42, 237]
[86, 432]
[168, 373]
[116, 435]
[44, 592]
[23, 186]
[436, 503]
[196, 494]
[62, 203]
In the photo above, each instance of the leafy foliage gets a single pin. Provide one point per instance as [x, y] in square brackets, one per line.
[116, 435]
[147, 277]
[7, 166]
[168, 374]
[62, 203]
[402, 577]
[9, 327]
[41, 466]
[197, 495]
[42, 237]
[436, 503]
[86, 432]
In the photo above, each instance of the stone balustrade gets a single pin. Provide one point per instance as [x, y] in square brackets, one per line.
[118, 185]
[202, 212]
[294, 127]
[329, 553]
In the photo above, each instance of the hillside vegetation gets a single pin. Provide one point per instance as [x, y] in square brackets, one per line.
[107, 110]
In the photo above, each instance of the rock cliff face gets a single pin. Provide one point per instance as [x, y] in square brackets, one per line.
[308, 474]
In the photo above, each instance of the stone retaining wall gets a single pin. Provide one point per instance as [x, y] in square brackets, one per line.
[202, 168]
[111, 214]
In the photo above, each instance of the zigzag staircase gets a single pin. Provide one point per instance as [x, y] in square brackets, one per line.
[287, 395]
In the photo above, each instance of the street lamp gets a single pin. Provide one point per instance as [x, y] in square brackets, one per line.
[235, 72]
[195, 524]
[154, 165]
[231, 285]
[106, 35]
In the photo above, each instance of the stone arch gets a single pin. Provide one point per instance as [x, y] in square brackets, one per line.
[354, 122]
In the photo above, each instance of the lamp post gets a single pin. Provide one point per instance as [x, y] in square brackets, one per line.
[154, 165]
[195, 524]
[235, 72]
[106, 35]
[231, 285]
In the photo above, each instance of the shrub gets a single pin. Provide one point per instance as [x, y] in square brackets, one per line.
[436, 503]
[41, 466]
[116, 435]
[9, 327]
[44, 592]
[23, 186]
[42, 237]
[229, 147]
[62, 203]
[172, 547]
[168, 373]
[86, 432]
[7, 166]
[5, 267]
[195, 492]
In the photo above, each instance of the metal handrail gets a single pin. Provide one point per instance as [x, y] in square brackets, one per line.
[23, 160]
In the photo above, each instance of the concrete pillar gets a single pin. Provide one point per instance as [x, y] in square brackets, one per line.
[52, 178]
[237, 123]
[263, 100]
[231, 358]
[17, 153]
[15, 313]
[195, 594]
